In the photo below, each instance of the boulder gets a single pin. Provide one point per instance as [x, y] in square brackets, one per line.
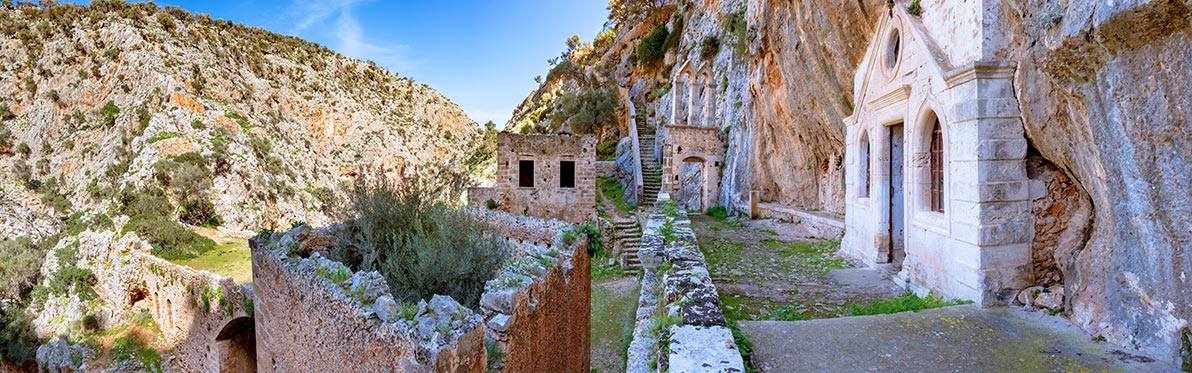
[1027, 296]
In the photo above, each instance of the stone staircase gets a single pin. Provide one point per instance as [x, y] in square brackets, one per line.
[628, 234]
[651, 172]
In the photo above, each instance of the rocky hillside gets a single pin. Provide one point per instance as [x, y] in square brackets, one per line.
[248, 127]
[1102, 88]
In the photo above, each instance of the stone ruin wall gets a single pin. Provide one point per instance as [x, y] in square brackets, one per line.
[307, 322]
[131, 278]
[676, 285]
[684, 183]
[546, 199]
[543, 323]
[540, 323]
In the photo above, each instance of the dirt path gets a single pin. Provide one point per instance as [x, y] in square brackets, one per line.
[766, 269]
[614, 303]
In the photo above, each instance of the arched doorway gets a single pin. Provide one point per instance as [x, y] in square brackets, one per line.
[237, 346]
[691, 184]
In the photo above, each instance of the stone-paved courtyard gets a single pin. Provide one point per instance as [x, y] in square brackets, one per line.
[951, 339]
[764, 267]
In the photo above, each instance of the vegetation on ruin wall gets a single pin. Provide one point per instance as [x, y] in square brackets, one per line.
[421, 245]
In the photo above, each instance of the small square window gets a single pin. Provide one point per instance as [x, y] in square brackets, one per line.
[525, 174]
[567, 174]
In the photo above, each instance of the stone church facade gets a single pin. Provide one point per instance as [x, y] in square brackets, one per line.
[936, 183]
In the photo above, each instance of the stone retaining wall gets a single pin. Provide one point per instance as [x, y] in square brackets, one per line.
[680, 307]
[192, 308]
[537, 308]
[316, 315]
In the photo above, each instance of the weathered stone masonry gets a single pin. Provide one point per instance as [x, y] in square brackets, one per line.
[531, 179]
[676, 286]
[536, 310]
[206, 317]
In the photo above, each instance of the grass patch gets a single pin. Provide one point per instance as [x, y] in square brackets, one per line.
[602, 271]
[231, 257]
[811, 255]
[612, 321]
[906, 302]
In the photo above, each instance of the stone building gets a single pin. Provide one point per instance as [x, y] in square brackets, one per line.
[936, 178]
[546, 176]
[691, 144]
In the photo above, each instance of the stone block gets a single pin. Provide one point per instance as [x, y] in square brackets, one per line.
[703, 349]
[1001, 170]
[977, 109]
[1007, 256]
[969, 190]
[1005, 234]
[1001, 149]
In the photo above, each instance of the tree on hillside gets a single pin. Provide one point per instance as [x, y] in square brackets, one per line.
[588, 112]
[621, 10]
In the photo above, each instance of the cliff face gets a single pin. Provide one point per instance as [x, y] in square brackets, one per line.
[96, 96]
[801, 82]
[1103, 89]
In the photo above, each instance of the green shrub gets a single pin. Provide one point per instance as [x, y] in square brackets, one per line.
[421, 246]
[186, 177]
[150, 215]
[673, 37]
[595, 240]
[709, 47]
[736, 28]
[21, 268]
[23, 149]
[108, 114]
[491, 204]
[607, 150]
[587, 112]
[914, 9]
[6, 113]
[652, 48]
[18, 341]
[667, 230]
[717, 212]
[72, 279]
[908, 301]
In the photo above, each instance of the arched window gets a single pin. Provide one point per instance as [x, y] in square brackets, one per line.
[937, 167]
[864, 161]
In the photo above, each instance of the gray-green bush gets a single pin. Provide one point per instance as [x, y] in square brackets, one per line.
[421, 245]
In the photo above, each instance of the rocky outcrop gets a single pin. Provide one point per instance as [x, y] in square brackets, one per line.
[99, 94]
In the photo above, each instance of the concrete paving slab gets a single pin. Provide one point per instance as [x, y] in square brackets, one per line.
[952, 339]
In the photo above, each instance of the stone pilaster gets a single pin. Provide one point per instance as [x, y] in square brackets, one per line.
[989, 203]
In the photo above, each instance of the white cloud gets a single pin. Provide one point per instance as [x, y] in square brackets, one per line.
[349, 37]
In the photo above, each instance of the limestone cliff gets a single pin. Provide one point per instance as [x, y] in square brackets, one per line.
[96, 96]
[1102, 88]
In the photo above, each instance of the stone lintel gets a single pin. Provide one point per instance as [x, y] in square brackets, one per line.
[980, 70]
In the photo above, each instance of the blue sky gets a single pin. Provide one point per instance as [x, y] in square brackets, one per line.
[481, 54]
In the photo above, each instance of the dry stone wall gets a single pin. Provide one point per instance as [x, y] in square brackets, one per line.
[680, 327]
[537, 308]
[315, 314]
